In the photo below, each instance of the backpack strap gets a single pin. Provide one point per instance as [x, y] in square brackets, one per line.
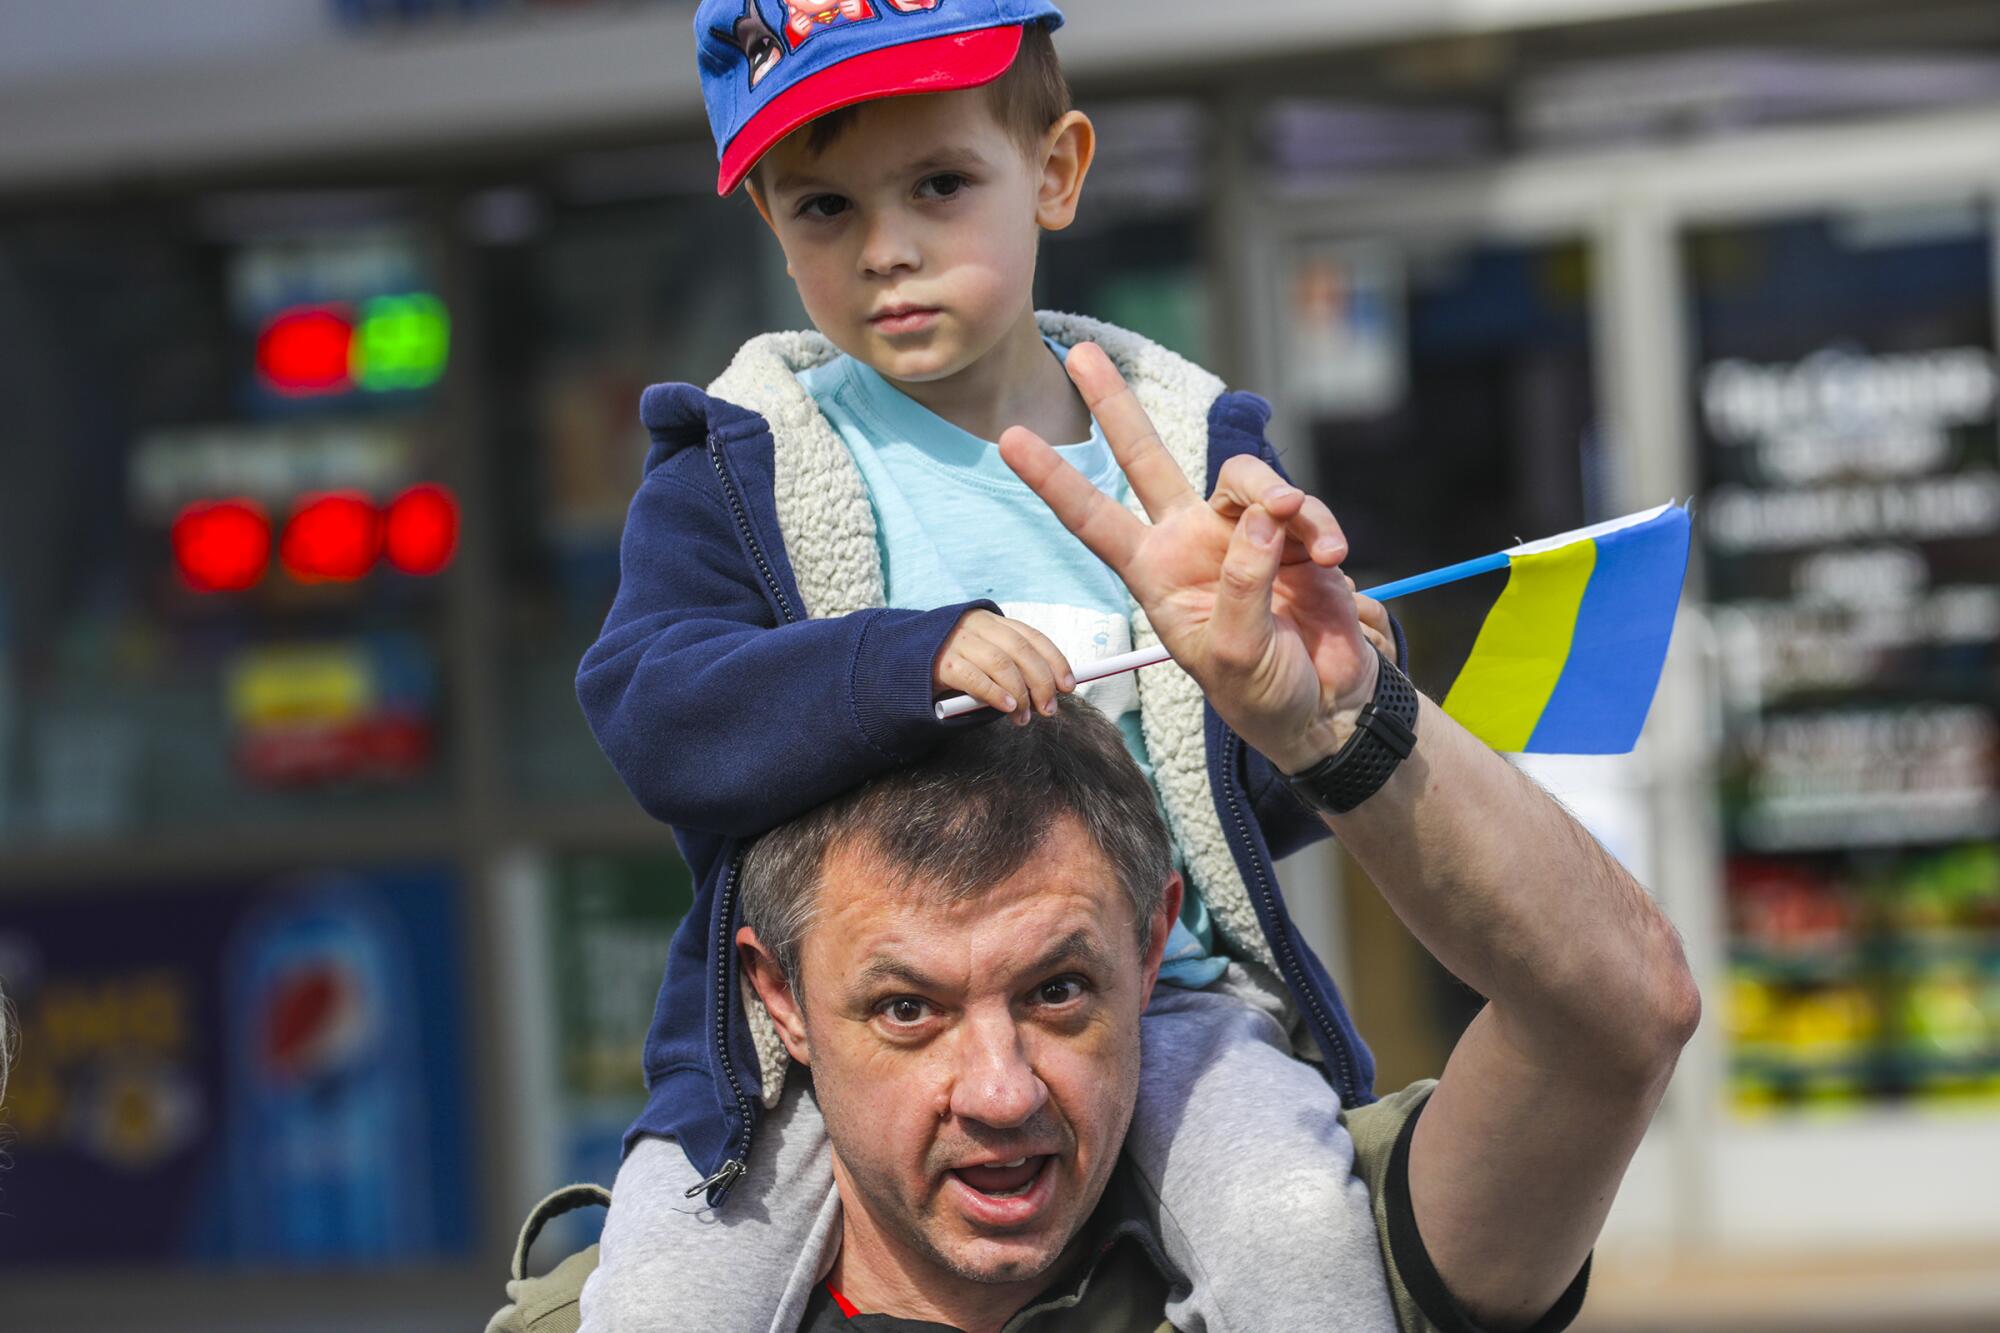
[548, 1304]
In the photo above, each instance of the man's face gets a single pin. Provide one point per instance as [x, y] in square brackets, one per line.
[977, 1063]
[912, 237]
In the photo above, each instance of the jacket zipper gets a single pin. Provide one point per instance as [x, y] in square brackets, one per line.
[1281, 940]
[736, 1165]
[742, 516]
[717, 1186]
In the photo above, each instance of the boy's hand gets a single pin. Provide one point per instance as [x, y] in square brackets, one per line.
[1009, 666]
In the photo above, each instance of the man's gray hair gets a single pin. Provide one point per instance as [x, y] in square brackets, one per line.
[966, 818]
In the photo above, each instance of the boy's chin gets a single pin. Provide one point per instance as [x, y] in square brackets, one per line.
[916, 358]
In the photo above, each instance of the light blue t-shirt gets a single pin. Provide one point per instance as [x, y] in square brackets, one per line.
[954, 524]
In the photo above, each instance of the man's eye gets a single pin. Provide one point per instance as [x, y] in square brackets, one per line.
[905, 1011]
[943, 185]
[1059, 992]
[822, 206]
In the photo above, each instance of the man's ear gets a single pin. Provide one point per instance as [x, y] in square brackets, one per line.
[775, 990]
[1163, 926]
[1067, 152]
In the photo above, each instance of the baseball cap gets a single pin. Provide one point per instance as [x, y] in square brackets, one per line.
[770, 66]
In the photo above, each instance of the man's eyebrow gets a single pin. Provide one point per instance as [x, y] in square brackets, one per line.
[882, 968]
[1079, 946]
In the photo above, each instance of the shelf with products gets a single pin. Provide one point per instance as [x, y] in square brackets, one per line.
[1847, 400]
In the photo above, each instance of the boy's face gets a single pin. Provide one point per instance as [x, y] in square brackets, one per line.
[912, 237]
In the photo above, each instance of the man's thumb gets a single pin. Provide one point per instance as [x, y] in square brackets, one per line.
[1242, 619]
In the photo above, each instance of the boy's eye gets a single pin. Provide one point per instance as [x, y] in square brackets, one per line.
[822, 206]
[943, 185]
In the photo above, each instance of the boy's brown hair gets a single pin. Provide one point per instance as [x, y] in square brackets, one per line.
[1031, 96]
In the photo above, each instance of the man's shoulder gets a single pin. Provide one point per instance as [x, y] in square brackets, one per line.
[1376, 1127]
[1383, 1132]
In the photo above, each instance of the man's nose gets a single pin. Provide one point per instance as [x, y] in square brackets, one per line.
[995, 1083]
[888, 245]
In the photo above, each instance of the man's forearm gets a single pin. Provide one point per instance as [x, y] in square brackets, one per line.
[1523, 905]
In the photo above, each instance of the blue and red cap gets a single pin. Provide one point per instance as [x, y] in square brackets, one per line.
[770, 66]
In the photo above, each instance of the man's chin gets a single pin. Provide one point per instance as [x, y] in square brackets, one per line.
[1011, 1238]
[1003, 1260]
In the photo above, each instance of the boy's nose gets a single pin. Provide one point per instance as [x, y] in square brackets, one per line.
[887, 248]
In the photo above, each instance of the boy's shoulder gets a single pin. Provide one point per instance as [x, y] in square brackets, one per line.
[1196, 415]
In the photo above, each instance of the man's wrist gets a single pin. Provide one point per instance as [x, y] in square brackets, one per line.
[1330, 732]
[1383, 735]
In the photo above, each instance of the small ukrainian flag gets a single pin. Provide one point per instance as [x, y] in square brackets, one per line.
[1570, 655]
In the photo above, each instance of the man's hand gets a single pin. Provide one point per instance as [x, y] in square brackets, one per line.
[1245, 590]
[1008, 665]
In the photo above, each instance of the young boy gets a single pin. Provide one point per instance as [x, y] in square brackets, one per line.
[824, 544]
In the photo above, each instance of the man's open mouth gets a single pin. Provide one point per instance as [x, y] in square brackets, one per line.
[1003, 1180]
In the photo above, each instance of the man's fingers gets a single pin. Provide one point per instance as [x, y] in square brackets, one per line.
[1315, 528]
[1240, 628]
[1374, 623]
[1156, 478]
[1099, 522]
[1246, 480]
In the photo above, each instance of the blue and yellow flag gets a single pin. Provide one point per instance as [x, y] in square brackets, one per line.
[1570, 655]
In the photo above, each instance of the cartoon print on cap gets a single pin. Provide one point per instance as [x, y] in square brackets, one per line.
[913, 6]
[808, 16]
[753, 37]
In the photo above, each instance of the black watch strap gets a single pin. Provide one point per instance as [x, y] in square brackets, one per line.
[1383, 737]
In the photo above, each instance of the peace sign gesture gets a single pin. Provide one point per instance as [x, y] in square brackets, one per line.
[1245, 590]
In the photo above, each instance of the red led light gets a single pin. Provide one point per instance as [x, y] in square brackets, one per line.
[332, 538]
[222, 547]
[422, 529]
[306, 351]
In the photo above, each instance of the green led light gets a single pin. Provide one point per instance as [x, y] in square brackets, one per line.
[400, 342]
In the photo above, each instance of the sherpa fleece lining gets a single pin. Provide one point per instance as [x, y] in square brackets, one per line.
[828, 528]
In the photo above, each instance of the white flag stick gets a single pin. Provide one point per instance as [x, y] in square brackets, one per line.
[958, 705]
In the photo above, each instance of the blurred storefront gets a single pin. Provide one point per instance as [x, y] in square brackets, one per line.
[321, 337]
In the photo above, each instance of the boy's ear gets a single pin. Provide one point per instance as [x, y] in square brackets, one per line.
[757, 198]
[775, 990]
[1067, 152]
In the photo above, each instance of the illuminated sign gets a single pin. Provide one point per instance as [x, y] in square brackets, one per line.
[330, 537]
[384, 344]
[349, 710]
[420, 535]
[270, 464]
[223, 546]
